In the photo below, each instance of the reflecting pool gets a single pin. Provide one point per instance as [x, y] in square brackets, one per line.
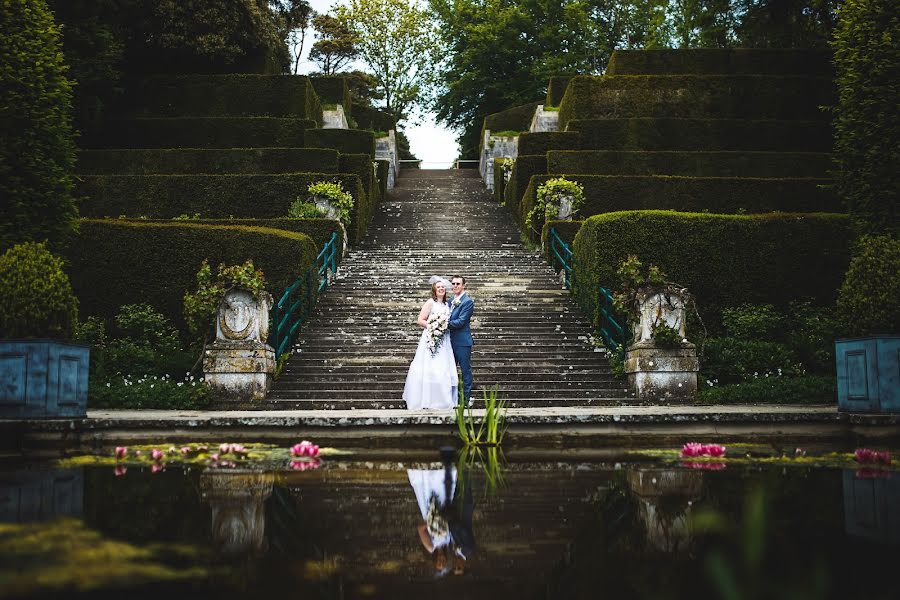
[638, 525]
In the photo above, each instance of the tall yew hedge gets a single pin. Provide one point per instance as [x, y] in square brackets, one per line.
[37, 152]
[867, 122]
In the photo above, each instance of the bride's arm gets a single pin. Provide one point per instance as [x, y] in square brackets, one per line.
[423, 315]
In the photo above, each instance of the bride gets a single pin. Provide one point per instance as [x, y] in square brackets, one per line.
[432, 380]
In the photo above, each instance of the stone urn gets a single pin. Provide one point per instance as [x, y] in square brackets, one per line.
[565, 211]
[240, 365]
[655, 371]
[237, 501]
[331, 212]
[665, 498]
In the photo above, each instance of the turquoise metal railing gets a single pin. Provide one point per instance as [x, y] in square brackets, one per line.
[601, 300]
[298, 300]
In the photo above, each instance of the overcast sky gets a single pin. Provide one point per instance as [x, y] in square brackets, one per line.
[433, 144]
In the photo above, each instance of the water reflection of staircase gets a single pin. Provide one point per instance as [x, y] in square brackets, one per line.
[531, 339]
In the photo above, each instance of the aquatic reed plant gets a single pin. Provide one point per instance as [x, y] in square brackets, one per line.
[489, 459]
[491, 429]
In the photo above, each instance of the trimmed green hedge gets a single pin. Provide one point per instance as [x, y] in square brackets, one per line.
[115, 262]
[541, 142]
[708, 61]
[213, 196]
[697, 96]
[333, 90]
[517, 118]
[499, 181]
[319, 230]
[567, 230]
[724, 195]
[345, 141]
[361, 166]
[372, 119]
[523, 170]
[702, 134]
[384, 167]
[556, 89]
[208, 161]
[691, 164]
[199, 132]
[724, 260]
[232, 95]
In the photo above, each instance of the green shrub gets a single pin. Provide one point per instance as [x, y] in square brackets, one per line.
[333, 90]
[761, 259]
[753, 322]
[730, 360]
[37, 154]
[189, 161]
[201, 304]
[869, 299]
[649, 133]
[549, 197]
[361, 165]
[724, 61]
[372, 119]
[146, 392]
[116, 262]
[811, 335]
[867, 123]
[523, 169]
[340, 200]
[556, 89]
[544, 141]
[199, 132]
[232, 95]
[36, 298]
[691, 164]
[319, 229]
[696, 96]
[517, 118]
[301, 209]
[345, 141]
[808, 389]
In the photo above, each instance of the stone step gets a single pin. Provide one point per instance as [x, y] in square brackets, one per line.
[343, 403]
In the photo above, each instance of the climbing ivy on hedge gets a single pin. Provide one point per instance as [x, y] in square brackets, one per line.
[37, 154]
[867, 123]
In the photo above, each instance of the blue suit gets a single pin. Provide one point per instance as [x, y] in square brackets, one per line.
[461, 340]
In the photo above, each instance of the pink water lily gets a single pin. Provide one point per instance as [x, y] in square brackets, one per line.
[694, 449]
[214, 457]
[237, 449]
[714, 450]
[704, 466]
[121, 452]
[224, 448]
[185, 450]
[867, 456]
[157, 467]
[305, 448]
[120, 470]
[305, 465]
[156, 455]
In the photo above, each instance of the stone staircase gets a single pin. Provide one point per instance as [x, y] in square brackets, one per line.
[531, 340]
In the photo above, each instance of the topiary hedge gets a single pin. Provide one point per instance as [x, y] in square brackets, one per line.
[566, 230]
[212, 196]
[361, 166]
[37, 153]
[517, 118]
[372, 119]
[319, 230]
[542, 142]
[691, 164]
[724, 195]
[232, 95]
[696, 96]
[556, 89]
[333, 90]
[207, 161]
[645, 133]
[499, 180]
[199, 132]
[116, 262]
[345, 141]
[724, 61]
[867, 122]
[384, 167]
[524, 168]
[724, 260]
[869, 302]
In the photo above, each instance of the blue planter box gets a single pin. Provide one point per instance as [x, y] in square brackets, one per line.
[868, 373]
[43, 378]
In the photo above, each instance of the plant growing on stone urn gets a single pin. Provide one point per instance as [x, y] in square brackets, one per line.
[43, 374]
[556, 199]
[869, 306]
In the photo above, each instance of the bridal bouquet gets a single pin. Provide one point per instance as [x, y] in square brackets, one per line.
[436, 327]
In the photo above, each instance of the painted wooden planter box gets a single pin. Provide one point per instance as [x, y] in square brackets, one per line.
[43, 378]
[868, 373]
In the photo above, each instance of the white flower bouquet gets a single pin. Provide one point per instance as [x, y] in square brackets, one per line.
[436, 328]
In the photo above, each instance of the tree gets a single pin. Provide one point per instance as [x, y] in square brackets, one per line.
[37, 156]
[335, 45]
[786, 23]
[294, 16]
[398, 42]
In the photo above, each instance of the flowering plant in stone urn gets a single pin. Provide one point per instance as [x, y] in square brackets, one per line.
[556, 199]
[44, 374]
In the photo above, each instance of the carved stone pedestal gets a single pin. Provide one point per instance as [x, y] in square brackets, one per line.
[237, 500]
[239, 365]
[664, 501]
[662, 373]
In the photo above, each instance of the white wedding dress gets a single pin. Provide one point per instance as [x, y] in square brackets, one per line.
[432, 380]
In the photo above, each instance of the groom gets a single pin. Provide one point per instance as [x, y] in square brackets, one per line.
[460, 335]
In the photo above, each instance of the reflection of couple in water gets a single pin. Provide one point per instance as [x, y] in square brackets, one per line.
[446, 531]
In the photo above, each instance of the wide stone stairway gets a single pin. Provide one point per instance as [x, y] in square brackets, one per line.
[531, 339]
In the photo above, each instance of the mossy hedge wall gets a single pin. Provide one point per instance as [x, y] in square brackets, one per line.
[517, 118]
[345, 141]
[543, 141]
[372, 119]
[333, 90]
[688, 163]
[233, 95]
[361, 166]
[384, 167]
[646, 133]
[211, 161]
[524, 168]
[214, 196]
[199, 132]
[708, 61]
[116, 262]
[724, 260]
[556, 89]
[499, 181]
[319, 230]
[566, 230]
[726, 195]
[696, 96]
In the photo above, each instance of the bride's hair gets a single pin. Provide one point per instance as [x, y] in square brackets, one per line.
[434, 294]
